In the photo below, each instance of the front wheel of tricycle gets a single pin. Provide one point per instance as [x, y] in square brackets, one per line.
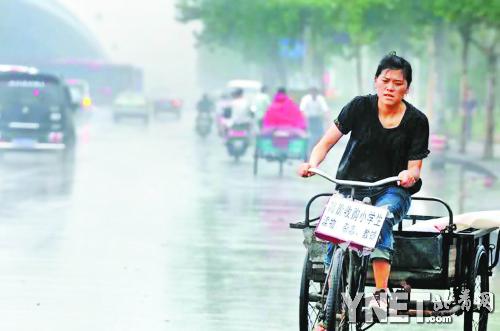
[476, 317]
[336, 308]
[310, 302]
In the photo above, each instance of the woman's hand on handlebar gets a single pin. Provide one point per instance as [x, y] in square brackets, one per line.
[406, 179]
[303, 170]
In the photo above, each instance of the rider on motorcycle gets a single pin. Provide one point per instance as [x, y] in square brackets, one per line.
[205, 104]
[240, 108]
[236, 112]
[204, 119]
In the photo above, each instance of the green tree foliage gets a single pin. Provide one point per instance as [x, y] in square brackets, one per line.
[465, 15]
[428, 29]
[487, 39]
[256, 28]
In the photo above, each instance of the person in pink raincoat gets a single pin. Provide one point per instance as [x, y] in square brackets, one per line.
[283, 113]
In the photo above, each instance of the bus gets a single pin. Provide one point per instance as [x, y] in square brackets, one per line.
[106, 80]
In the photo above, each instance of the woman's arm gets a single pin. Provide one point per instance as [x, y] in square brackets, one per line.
[318, 154]
[410, 176]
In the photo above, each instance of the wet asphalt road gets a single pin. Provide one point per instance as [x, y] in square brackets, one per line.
[156, 229]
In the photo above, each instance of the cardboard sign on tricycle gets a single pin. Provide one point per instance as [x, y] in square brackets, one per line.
[346, 220]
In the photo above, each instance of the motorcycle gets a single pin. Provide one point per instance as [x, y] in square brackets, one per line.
[203, 124]
[238, 139]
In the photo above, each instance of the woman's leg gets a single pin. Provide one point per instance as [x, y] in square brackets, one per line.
[398, 202]
[381, 271]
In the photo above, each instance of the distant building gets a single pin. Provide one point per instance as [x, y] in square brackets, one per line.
[34, 32]
[43, 34]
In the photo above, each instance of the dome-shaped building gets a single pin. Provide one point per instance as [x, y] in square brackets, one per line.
[36, 32]
[43, 34]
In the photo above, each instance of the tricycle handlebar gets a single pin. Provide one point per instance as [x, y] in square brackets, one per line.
[353, 183]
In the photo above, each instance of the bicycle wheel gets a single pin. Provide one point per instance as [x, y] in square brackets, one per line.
[310, 307]
[336, 308]
[476, 318]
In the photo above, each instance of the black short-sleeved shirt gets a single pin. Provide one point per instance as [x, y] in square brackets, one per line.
[374, 152]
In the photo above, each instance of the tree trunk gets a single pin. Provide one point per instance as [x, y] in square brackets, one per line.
[465, 33]
[440, 66]
[279, 72]
[308, 59]
[282, 73]
[461, 189]
[359, 68]
[431, 83]
[319, 71]
[489, 142]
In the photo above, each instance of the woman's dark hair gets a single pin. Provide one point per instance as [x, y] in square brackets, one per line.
[394, 62]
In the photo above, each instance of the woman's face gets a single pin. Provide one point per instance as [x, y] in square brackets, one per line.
[391, 86]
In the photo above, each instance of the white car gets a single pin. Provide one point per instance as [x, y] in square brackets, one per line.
[131, 105]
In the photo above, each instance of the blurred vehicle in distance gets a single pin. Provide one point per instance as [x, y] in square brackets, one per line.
[18, 68]
[79, 91]
[203, 124]
[169, 106]
[237, 139]
[106, 80]
[36, 112]
[250, 87]
[131, 104]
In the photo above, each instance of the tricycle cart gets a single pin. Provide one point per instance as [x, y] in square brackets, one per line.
[460, 262]
[280, 145]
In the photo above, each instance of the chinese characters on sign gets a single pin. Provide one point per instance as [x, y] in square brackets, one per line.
[351, 221]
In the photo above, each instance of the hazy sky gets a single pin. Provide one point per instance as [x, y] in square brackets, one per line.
[144, 33]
